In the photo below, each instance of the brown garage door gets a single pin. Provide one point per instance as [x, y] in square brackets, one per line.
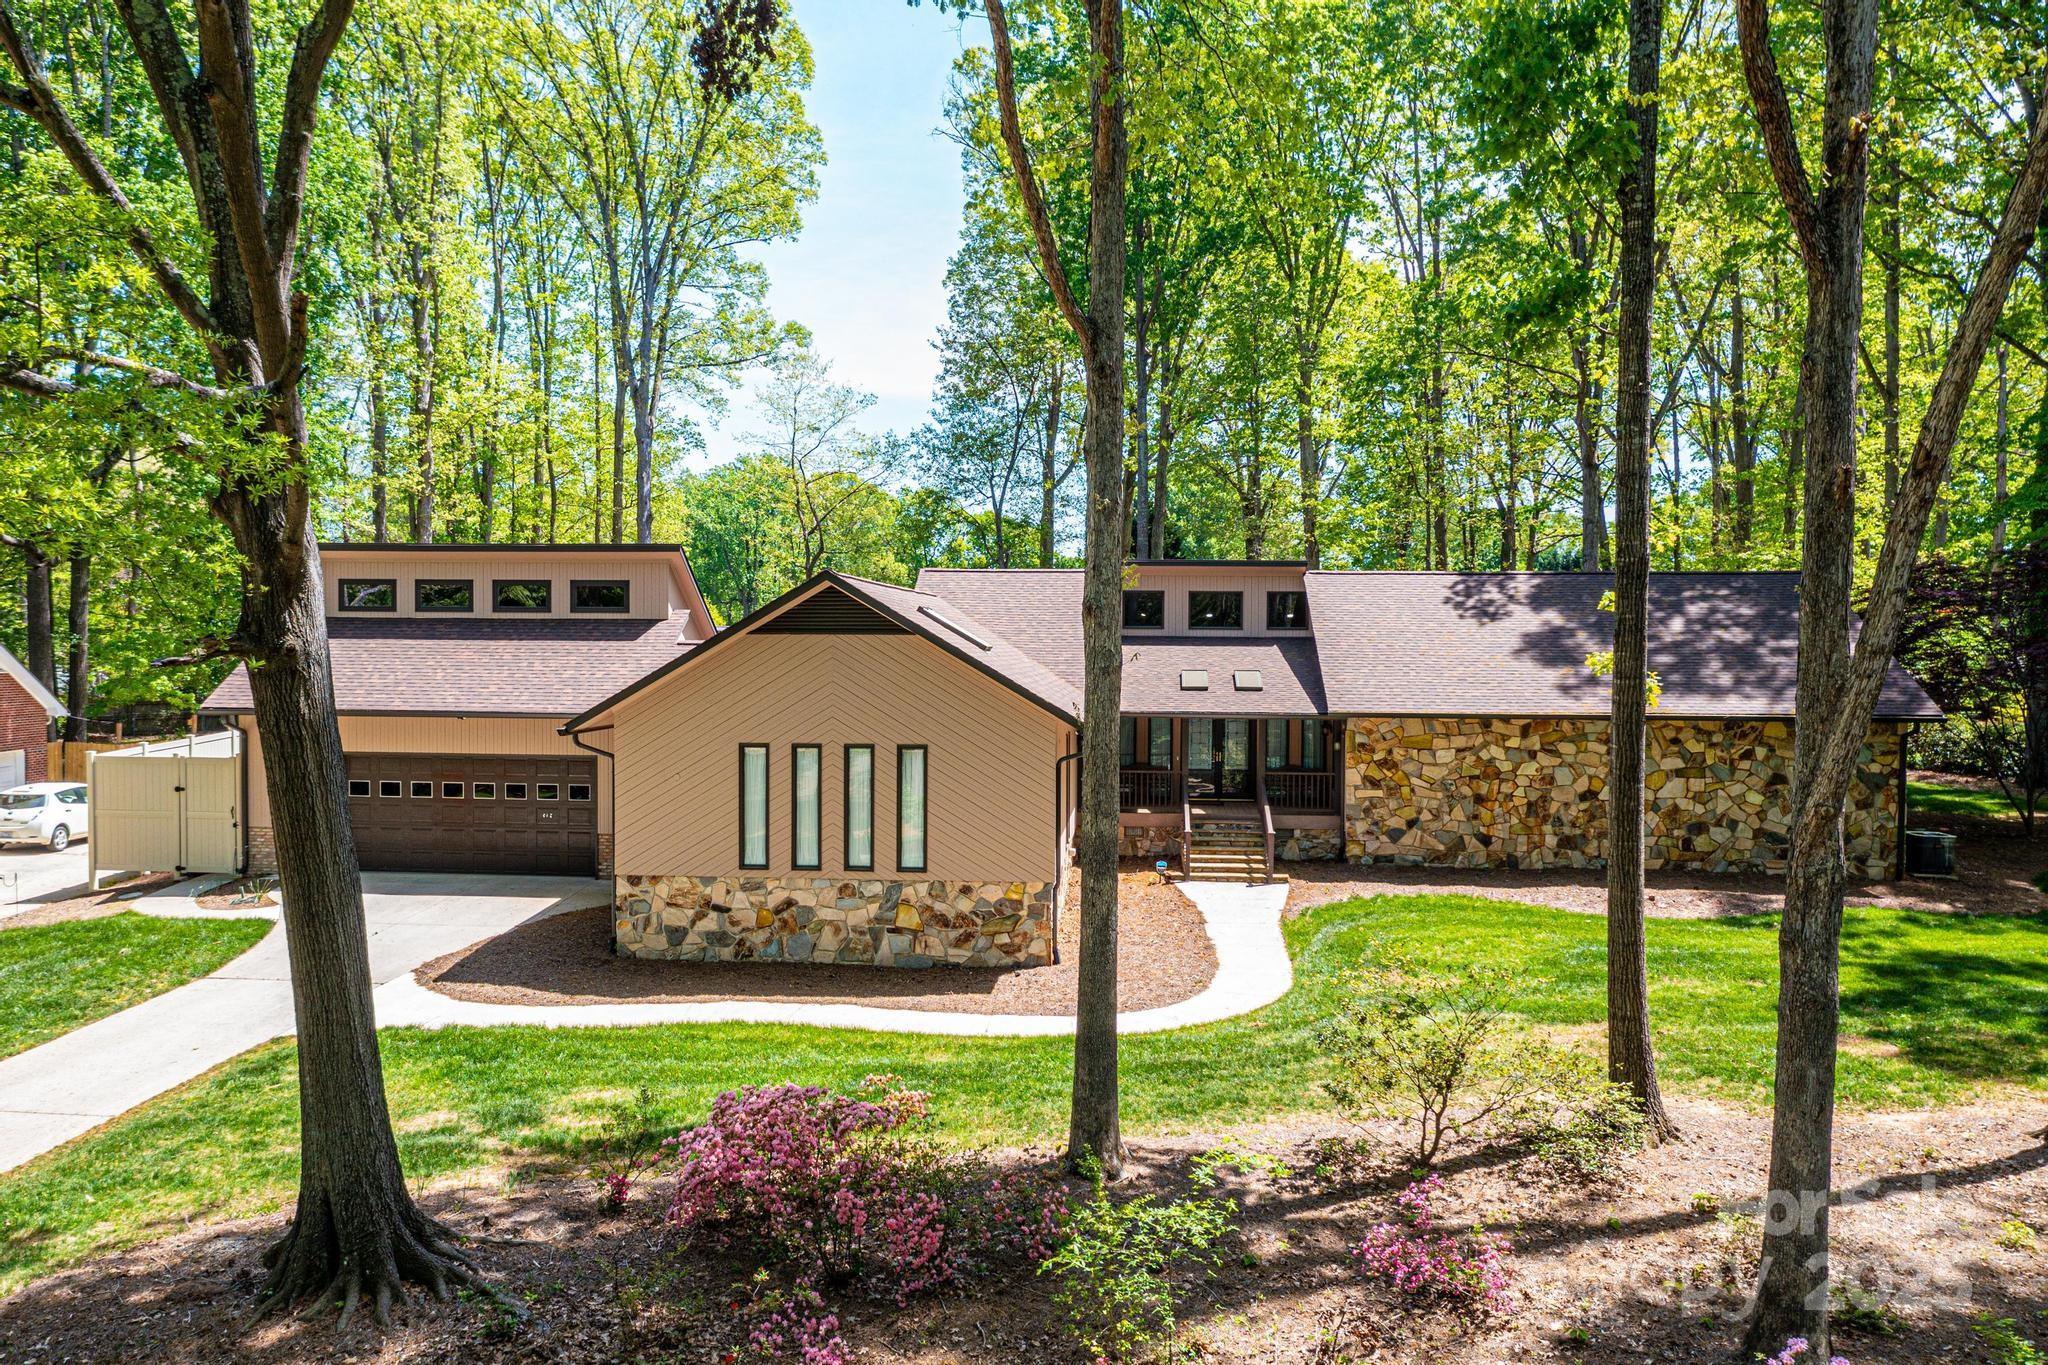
[461, 813]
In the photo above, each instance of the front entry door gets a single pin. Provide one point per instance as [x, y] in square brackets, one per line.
[1220, 760]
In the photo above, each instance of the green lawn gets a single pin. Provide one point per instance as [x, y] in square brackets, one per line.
[54, 977]
[1939, 798]
[1942, 1007]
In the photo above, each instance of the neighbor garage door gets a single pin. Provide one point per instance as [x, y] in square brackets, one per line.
[447, 813]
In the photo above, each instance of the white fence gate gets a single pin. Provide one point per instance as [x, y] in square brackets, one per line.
[169, 807]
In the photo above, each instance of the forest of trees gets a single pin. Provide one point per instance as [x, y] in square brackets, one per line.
[1370, 307]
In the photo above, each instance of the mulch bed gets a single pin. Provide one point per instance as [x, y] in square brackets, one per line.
[244, 893]
[112, 900]
[1163, 956]
[1648, 1266]
[1996, 866]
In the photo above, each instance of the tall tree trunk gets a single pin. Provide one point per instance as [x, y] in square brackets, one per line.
[1631, 1058]
[1743, 433]
[1891, 313]
[1162, 462]
[1094, 1133]
[1049, 469]
[40, 607]
[424, 278]
[1141, 397]
[1592, 497]
[1307, 454]
[2002, 454]
[380, 462]
[1837, 691]
[78, 667]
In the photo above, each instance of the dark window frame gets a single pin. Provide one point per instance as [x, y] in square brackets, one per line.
[1236, 593]
[926, 828]
[1273, 598]
[1150, 594]
[342, 586]
[547, 596]
[420, 586]
[846, 807]
[624, 585]
[767, 795]
[796, 809]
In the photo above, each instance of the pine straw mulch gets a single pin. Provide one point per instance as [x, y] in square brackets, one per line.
[1997, 864]
[1647, 1265]
[1163, 956]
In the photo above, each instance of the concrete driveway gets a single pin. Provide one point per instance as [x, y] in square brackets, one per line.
[30, 873]
[70, 1085]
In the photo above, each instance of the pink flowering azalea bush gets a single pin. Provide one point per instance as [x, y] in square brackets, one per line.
[1798, 1352]
[853, 1190]
[1470, 1271]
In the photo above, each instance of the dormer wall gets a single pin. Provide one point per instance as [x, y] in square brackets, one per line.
[1182, 612]
[433, 582]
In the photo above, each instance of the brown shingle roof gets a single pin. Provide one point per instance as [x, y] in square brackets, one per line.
[1290, 681]
[1037, 610]
[1721, 644]
[481, 666]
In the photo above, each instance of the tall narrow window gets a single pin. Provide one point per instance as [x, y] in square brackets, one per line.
[910, 812]
[1127, 742]
[1276, 744]
[753, 805]
[1312, 745]
[1159, 737]
[803, 786]
[860, 807]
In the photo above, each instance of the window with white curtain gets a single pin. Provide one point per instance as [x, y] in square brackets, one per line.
[910, 808]
[860, 807]
[753, 805]
[804, 764]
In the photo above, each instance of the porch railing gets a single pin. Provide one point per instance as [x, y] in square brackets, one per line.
[1150, 788]
[1302, 793]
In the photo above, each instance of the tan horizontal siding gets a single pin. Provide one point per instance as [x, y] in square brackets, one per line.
[990, 761]
[502, 735]
[1177, 583]
[653, 593]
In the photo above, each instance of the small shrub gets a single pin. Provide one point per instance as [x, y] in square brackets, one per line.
[626, 1147]
[2008, 1347]
[1470, 1271]
[1859, 1310]
[853, 1188]
[2015, 1234]
[1443, 1052]
[1798, 1352]
[1115, 1268]
[795, 1326]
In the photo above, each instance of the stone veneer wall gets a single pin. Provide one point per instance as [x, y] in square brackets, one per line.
[1153, 842]
[1527, 793]
[810, 918]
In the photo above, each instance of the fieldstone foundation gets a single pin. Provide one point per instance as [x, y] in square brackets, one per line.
[835, 920]
[1308, 845]
[1528, 793]
[1150, 842]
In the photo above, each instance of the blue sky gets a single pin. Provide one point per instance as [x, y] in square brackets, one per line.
[867, 275]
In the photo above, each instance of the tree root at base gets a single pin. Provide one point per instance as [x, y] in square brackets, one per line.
[323, 1266]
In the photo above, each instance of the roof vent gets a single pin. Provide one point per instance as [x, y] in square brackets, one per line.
[1194, 680]
[950, 624]
[1248, 680]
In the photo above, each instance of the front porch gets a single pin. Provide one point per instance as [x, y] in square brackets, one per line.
[1228, 796]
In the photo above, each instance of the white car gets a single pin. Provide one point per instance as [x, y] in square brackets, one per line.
[51, 813]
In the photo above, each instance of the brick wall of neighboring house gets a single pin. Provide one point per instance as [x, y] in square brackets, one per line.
[262, 851]
[1528, 793]
[24, 725]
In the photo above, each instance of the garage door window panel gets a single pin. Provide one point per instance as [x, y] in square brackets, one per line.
[358, 786]
[483, 791]
[579, 791]
[389, 788]
[515, 791]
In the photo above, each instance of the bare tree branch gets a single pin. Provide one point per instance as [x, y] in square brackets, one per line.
[1026, 178]
[1774, 119]
[310, 55]
[42, 106]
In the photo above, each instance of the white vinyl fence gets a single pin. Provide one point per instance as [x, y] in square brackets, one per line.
[169, 806]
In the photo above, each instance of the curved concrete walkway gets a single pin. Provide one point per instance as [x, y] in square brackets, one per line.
[72, 1084]
[1243, 921]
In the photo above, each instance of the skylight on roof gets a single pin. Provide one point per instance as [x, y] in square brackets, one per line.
[1248, 680]
[950, 624]
[1194, 680]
